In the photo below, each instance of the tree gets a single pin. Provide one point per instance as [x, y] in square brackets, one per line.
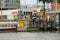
[58, 1]
[44, 6]
[45, 1]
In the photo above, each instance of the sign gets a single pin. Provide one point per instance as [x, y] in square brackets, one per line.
[15, 12]
[21, 24]
[9, 12]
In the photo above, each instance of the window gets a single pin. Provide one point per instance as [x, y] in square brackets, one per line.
[6, 5]
[28, 13]
[24, 13]
[7, 1]
[17, 1]
[4, 16]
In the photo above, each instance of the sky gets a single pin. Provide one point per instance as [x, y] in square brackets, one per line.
[28, 2]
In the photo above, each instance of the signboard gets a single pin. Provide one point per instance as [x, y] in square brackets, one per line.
[15, 12]
[9, 12]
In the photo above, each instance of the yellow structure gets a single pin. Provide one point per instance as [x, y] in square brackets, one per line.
[21, 24]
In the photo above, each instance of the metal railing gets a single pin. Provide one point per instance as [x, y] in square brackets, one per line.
[9, 18]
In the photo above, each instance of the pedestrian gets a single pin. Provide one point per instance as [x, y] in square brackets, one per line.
[51, 24]
[29, 22]
[37, 21]
[33, 20]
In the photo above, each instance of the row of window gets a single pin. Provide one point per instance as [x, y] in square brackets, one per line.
[5, 16]
[12, 1]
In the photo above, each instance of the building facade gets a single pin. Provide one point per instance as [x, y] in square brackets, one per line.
[9, 4]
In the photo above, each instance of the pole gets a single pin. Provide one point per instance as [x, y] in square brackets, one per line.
[59, 22]
[25, 3]
[37, 3]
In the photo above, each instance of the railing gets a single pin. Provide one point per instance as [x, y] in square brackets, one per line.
[8, 18]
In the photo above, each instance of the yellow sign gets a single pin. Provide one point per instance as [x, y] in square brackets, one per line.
[21, 24]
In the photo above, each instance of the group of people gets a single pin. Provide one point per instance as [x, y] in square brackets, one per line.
[42, 22]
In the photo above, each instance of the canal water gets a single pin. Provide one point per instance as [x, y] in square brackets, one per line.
[30, 36]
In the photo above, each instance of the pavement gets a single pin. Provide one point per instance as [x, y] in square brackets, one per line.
[30, 36]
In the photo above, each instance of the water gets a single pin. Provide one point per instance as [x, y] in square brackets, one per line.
[30, 36]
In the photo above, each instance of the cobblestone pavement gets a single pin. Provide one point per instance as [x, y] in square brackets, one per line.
[30, 36]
